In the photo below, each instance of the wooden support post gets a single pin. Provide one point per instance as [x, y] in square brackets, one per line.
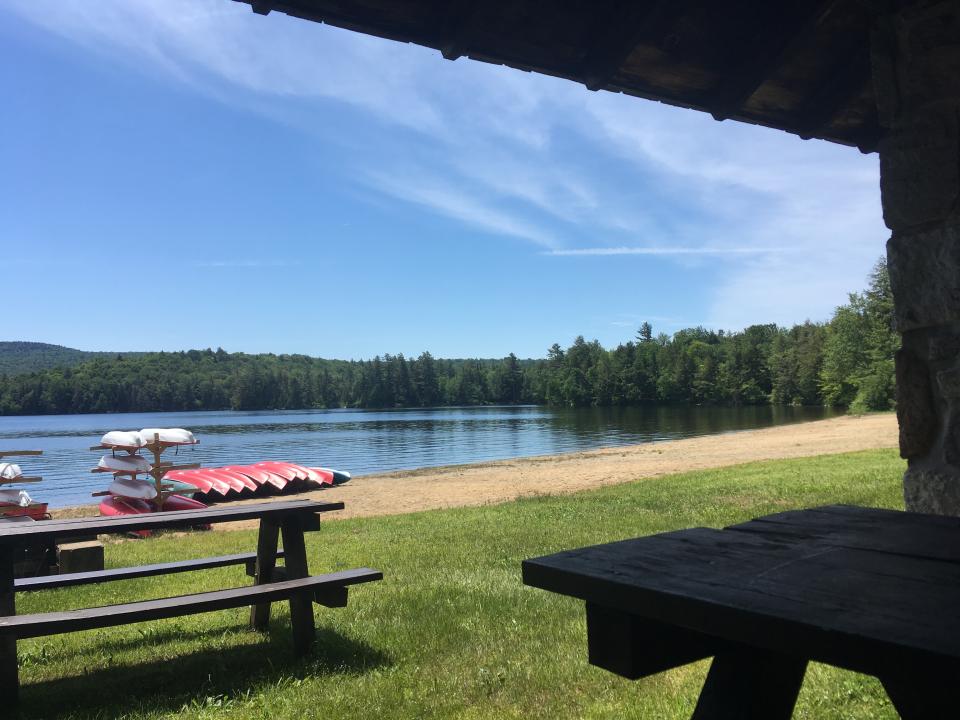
[295, 561]
[9, 680]
[263, 572]
[157, 473]
[746, 683]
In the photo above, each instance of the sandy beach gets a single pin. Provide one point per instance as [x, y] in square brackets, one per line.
[496, 482]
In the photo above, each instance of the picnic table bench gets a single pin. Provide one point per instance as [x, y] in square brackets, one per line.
[873, 591]
[292, 582]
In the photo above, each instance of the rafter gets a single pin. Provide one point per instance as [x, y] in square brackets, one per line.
[620, 29]
[844, 81]
[453, 21]
[751, 67]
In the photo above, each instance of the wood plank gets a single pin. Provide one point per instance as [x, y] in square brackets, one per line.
[130, 573]
[332, 597]
[53, 529]
[634, 647]
[745, 683]
[859, 609]
[888, 531]
[39, 625]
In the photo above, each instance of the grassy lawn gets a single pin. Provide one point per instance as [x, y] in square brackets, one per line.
[449, 632]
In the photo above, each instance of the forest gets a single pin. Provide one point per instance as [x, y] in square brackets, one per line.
[847, 361]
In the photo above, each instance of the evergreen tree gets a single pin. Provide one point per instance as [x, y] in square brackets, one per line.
[645, 333]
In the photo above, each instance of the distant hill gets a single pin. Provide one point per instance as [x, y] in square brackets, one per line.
[17, 358]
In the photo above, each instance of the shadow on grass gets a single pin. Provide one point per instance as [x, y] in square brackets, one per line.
[195, 678]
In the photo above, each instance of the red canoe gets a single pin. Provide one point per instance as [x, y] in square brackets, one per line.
[202, 481]
[115, 506]
[274, 478]
[319, 477]
[229, 479]
[249, 485]
[282, 469]
[325, 477]
[258, 476]
[35, 510]
[201, 484]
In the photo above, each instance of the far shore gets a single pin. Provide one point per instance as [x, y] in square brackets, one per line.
[501, 481]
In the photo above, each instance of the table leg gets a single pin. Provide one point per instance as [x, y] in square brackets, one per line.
[266, 562]
[747, 683]
[301, 606]
[922, 693]
[9, 680]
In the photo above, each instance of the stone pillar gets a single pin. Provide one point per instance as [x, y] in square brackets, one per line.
[916, 69]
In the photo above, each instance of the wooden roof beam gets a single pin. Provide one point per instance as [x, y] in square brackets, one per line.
[618, 33]
[842, 84]
[342, 15]
[453, 20]
[751, 70]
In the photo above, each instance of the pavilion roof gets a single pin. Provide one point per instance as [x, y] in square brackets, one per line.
[802, 66]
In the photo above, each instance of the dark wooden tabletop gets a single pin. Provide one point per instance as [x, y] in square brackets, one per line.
[859, 588]
[19, 533]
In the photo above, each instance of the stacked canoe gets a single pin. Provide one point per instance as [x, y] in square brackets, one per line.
[262, 478]
[17, 502]
[128, 494]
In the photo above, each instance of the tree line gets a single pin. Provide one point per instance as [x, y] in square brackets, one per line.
[847, 361]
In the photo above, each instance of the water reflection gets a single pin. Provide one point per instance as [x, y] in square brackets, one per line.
[370, 441]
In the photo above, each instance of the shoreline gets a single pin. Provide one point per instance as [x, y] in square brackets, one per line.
[492, 482]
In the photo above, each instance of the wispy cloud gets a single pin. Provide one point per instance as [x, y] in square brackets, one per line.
[459, 204]
[525, 156]
[244, 263]
[665, 251]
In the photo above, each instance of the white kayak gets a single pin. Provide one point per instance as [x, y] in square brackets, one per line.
[15, 497]
[10, 471]
[122, 440]
[125, 464]
[128, 487]
[167, 436]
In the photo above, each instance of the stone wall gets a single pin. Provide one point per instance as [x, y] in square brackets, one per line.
[916, 68]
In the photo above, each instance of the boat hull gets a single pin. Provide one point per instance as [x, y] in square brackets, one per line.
[37, 511]
[339, 476]
[115, 506]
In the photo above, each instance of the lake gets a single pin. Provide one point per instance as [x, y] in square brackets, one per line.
[366, 441]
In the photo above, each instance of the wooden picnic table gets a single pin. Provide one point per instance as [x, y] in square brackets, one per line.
[873, 591]
[288, 520]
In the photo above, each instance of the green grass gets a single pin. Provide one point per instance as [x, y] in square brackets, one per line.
[449, 633]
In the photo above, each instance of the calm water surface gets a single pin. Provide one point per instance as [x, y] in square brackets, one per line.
[365, 441]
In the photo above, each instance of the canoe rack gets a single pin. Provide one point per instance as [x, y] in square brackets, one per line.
[22, 478]
[158, 469]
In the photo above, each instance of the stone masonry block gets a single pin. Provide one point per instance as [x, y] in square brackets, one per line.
[925, 277]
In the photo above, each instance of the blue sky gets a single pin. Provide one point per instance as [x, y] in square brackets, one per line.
[184, 173]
